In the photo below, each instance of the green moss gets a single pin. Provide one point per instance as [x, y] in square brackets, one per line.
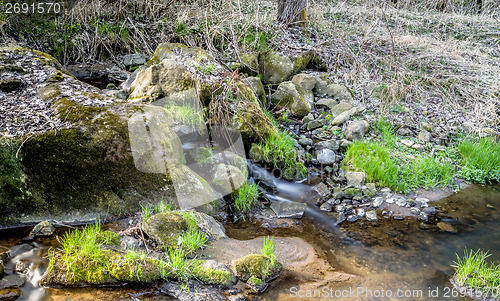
[13, 190]
[245, 199]
[165, 228]
[206, 275]
[11, 68]
[256, 265]
[135, 267]
[254, 281]
[49, 92]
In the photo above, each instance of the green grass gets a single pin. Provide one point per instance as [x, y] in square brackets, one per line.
[176, 265]
[400, 173]
[147, 210]
[193, 241]
[386, 131]
[281, 151]
[473, 271]
[268, 247]
[480, 160]
[187, 115]
[246, 197]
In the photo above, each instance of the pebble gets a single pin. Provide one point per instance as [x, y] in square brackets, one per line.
[401, 202]
[378, 201]
[360, 212]
[352, 218]
[371, 215]
[390, 201]
[430, 210]
[326, 207]
[415, 211]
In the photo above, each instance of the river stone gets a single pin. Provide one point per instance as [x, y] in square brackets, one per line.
[356, 130]
[355, 179]
[422, 202]
[415, 211]
[360, 212]
[326, 157]
[430, 210]
[424, 136]
[308, 118]
[11, 281]
[165, 228]
[305, 81]
[418, 147]
[378, 201]
[352, 218]
[209, 225]
[293, 97]
[326, 103]
[401, 202]
[344, 116]
[427, 126]
[257, 87]
[44, 228]
[10, 294]
[371, 215]
[288, 209]
[305, 141]
[314, 124]
[407, 143]
[331, 144]
[136, 59]
[341, 108]
[423, 217]
[227, 178]
[446, 227]
[326, 207]
[340, 92]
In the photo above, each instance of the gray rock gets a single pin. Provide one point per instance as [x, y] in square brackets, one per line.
[356, 130]
[326, 207]
[401, 202]
[355, 179]
[403, 132]
[344, 116]
[340, 207]
[360, 212]
[226, 177]
[407, 143]
[390, 201]
[424, 136]
[321, 189]
[314, 124]
[418, 147]
[331, 144]
[371, 215]
[135, 59]
[293, 97]
[340, 108]
[44, 228]
[415, 211]
[257, 87]
[210, 225]
[288, 209]
[305, 141]
[430, 210]
[422, 202]
[427, 127]
[372, 187]
[423, 216]
[326, 103]
[337, 91]
[308, 118]
[352, 218]
[305, 81]
[11, 281]
[378, 201]
[326, 157]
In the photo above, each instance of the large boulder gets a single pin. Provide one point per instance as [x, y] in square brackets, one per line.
[227, 178]
[276, 68]
[293, 97]
[165, 228]
[258, 88]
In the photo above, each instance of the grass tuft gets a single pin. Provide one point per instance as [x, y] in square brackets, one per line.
[473, 271]
[480, 160]
[246, 197]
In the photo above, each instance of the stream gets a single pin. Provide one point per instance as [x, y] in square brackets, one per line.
[392, 256]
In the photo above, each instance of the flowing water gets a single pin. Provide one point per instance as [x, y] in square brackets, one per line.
[389, 256]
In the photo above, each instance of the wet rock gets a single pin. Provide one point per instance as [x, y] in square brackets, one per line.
[355, 179]
[331, 144]
[293, 97]
[356, 130]
[11, 281]
[390, 201]
[326, 103]
[194, 291]
[430, 210]
[326, 157]
[401, 202]
[237, 297]
[257, 285]
[378, 201]
[136, 59]
[257, 87]
[422, 202]
[44, 228]
[367, 192]
[288, 209]
[372, 187]
[352, 192]
[424, 136]
[371, 215]
[165, 228]
[227, 178]
[360, 212]
[209, 225]
[423, 217]
[415, 211]
[446, 227]
[326, 207]
[128, 243]
[352, 218]
[10, 294]
[305, 81]
[340, 207]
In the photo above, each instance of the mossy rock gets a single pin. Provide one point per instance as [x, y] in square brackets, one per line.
[294, 97]
[165, 228]
[276, 68]
[138, 270]
[212, 272]
[252, 123]
[171, 50]
[256, 265]
[352, 192]
[227, 178]
[258, 89]
[257, 285]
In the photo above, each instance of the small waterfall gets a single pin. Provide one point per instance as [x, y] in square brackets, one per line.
[32, 264]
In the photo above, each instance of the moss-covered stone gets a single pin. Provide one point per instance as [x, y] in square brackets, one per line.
[124, 268]
[252, 123]
[165, 228]
[13, 190]
[227, 178]
[352, 192]
[293, 97]
[171, 50]
[211, 272]
[276, 68]
[258, 88]
[256, 265]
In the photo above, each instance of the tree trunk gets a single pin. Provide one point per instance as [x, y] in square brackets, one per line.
[292, 11]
